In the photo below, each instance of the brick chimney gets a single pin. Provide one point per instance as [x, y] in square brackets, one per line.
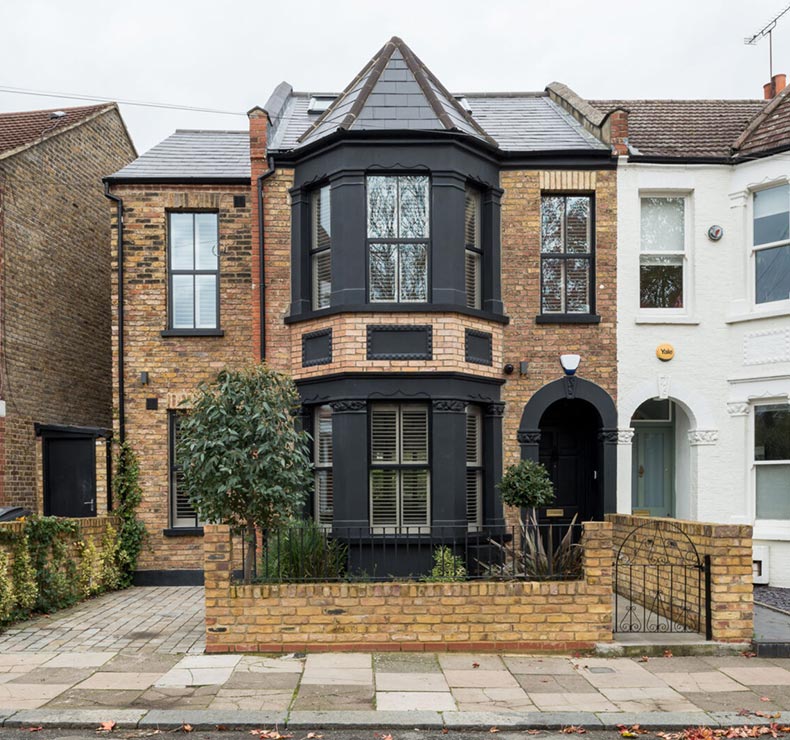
[774, 87]
[259, 124]
[618, 131]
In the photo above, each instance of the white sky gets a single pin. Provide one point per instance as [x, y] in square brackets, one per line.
[230, 55]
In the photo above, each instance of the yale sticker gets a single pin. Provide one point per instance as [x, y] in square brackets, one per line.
[665, 352]
[555, 512]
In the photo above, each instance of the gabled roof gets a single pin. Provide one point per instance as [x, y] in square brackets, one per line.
[218, 156]
[769, 130]
[20, 130]
[394, 90]
[684, 129]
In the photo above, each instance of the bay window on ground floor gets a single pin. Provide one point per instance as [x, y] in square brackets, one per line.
[772, 461]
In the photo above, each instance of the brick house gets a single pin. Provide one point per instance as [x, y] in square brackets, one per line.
[417, 260]
[55, 362]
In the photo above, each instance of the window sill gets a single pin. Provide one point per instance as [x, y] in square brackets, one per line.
[183, 532]
[771, 529]
[567, 318]
[761, 313]
[193, 333]
[666, 319]
[397, 308]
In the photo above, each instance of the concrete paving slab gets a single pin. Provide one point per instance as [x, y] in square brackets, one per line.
[701, 682]
[29, 696]
[79, 660]
[467, 661]
[208, 719]
[497, 700]
[539, 666]
[728, 719]
[655, 720]
[16, 660]
[406, 663]
[521, 720]
[331, 698]
[41, 675]
[338, 676]
[177, 677]
[572, 702]
[562, 684]
[430, 682]
[409, 701]
[256, 664]
[257, 700]
[141, 663]
[125, 719]
[266, 681]
[758, 675]
[94, 699]
[480, 678]
[339, 660]
[378, 720]
[195, 697]
[728, 701]
[108, 680]
[208, 661]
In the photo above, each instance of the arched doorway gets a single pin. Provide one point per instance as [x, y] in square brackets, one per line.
[570, 425]
[571, 451]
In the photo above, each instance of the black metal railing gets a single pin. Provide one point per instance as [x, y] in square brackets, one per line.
[306, 553]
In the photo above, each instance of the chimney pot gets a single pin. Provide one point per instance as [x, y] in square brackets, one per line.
[775, 86]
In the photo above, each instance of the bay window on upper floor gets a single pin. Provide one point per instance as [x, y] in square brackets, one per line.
[473, 250]
[771, 244]
[398, 233]
[320, 247]
[772, 460]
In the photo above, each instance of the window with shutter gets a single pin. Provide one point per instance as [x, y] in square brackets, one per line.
[398, 215]
[473, 253]
[474, 468]
[322, 462]
[182, 513]
[399, 470]
[193, 271]
[320, 247]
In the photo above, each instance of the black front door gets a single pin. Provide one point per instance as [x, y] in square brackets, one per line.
[69, 475]
[569, 449]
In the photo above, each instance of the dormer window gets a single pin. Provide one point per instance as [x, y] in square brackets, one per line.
[319, 103]
[398, 229]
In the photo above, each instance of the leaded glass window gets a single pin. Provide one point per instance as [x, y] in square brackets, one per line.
[398, 215]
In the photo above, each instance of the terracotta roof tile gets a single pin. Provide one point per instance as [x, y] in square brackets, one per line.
[704, 129]
[769, 131]
[26, 127]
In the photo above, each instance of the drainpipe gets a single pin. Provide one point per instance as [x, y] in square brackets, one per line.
[262, 276]
[121, 404]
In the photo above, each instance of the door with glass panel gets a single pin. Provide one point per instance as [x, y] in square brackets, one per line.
[653, 450]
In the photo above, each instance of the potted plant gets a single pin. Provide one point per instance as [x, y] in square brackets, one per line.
[526, 485]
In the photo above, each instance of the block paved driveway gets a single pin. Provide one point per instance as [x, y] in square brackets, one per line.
[140, 651]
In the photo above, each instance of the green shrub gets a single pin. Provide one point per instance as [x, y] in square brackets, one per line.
[447, 567]
[526, 485]
[110, 575]
[127, 494]
[7, 600]
[302, 551]
[88, 569]
[23, 575]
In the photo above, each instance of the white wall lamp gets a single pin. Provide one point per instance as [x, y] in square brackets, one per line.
[570, 363]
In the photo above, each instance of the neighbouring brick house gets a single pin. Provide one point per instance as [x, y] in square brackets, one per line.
[55, 362]
[417, 260]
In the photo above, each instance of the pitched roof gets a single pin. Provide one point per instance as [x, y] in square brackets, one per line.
[193, 155]
[769, 130]
[394, 90]
[22, 129]
[704, 129]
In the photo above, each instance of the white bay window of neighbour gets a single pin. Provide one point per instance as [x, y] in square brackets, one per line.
[771, 237]
[662, 252]
[398, 216]
[772, 461]
[193, 270]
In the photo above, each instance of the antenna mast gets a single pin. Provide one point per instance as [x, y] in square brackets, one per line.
[767, 30]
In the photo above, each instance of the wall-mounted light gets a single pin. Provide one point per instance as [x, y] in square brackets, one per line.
[523, 367]
[570, 363]
[144, 377]
[508, 369]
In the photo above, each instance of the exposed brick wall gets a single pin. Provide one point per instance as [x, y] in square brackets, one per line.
[54, 242]
[349, 344]
[408, 616]
[730, 549]
[542, 344]
[175, 364]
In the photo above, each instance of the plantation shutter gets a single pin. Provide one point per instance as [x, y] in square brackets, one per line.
[474, 472]
[324, 502]
[320, 247]
[472, 245]
[183, 514]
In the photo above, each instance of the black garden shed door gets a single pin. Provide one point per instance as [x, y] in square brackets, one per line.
[69, 474]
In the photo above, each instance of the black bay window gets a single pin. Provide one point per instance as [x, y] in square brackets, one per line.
[566, 255]
[398, 215]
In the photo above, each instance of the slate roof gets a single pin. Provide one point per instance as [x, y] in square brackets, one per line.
[25, 128]
[769, 131]
[394, 91]
[193, 155]
[703, 129]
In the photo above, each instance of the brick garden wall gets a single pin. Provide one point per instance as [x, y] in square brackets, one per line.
[730, 550]
[408, 616]
[55, 254]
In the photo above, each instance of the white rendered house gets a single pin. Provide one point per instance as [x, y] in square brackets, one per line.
[703, 337]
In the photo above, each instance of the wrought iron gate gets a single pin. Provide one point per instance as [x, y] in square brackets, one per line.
[661, 583]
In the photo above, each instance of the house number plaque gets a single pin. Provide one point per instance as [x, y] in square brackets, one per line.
[555, 512]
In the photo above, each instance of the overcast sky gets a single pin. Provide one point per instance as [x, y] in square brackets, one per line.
[230, 55]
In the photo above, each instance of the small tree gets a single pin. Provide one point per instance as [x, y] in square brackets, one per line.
[527, 485]
[244, 461]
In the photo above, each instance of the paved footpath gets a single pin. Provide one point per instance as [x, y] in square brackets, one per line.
[135, 658]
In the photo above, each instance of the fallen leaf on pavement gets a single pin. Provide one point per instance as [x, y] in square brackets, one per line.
[644, 659]
[747, 654]
[186, 728]
[765, 698]
[445, 730]
[34, 729]
[475, 665]
[311, 735]
[573, 730]
[493, 729]
[106, 726]
[667, 653]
